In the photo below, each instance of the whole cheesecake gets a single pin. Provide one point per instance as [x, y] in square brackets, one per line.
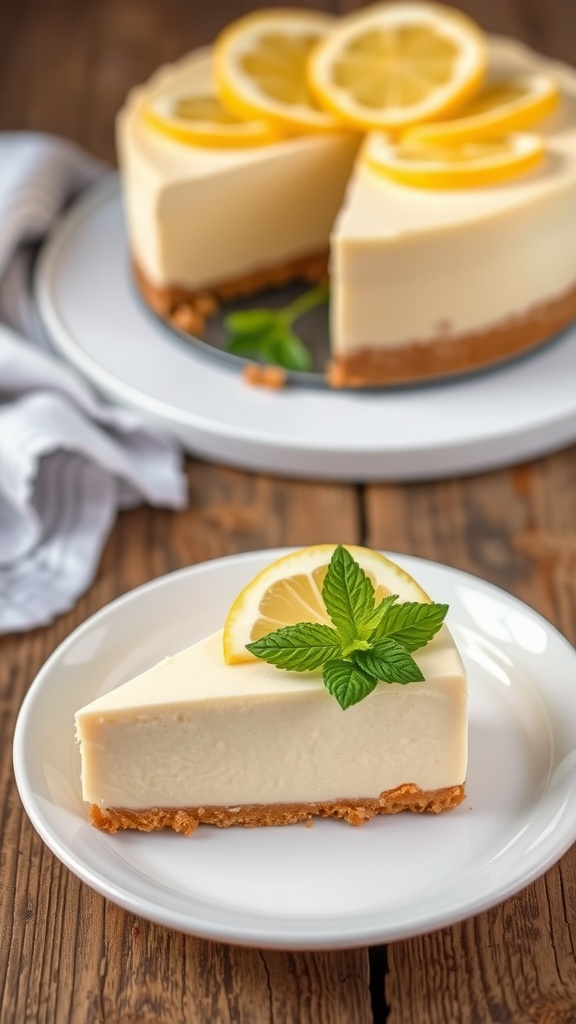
[424, 283]
[194, 740]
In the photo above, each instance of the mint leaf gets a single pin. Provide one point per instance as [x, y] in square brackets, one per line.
[304, 303]
[381, 610]
[389, 662]
[257, 343]
[347, 682]
[267, 334]
[368, 643]
[251, 321]
[247, 345]
[348, 595]
[285, 348]
[411, 624]
[295, 355]
[300, 648]
[356, 645]
[276, 344]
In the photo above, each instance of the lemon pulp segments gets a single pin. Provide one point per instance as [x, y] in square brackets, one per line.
[291, 600]
[278, 62]
[298, 599]
[260, 67]
[396, 64]
[395, 67]
[471, 164]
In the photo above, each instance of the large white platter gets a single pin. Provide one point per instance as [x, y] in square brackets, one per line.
[331, 885]
[96, 320]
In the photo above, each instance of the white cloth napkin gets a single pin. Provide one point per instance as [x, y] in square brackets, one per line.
[68, 461]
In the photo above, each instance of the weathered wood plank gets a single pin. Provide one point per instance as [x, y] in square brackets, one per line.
[514, 964]
[65, 953]
[68, 955]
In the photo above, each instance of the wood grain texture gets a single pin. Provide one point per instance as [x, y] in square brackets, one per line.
[516, 963]
[66, 954]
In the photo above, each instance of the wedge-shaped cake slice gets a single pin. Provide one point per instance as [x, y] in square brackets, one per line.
[194, 740]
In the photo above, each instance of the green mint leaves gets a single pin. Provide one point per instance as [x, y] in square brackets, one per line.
[366, 643]
[267, 334]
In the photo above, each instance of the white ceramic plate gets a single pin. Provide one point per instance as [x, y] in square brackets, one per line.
[96, 320]
[331, 885]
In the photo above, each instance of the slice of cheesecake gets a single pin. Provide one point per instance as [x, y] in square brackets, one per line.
[193, 740]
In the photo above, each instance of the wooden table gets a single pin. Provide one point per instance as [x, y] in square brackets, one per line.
[66, 954]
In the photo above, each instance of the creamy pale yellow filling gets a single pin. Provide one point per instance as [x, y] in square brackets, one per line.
[199, 216]
[413, 264]
[193, 731]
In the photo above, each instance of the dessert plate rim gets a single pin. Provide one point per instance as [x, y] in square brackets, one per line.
[96, 321]
[524, 695]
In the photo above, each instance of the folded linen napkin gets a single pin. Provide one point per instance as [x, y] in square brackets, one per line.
[68, 461]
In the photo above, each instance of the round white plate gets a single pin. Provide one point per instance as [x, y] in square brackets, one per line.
[96, 320]
[331, 885]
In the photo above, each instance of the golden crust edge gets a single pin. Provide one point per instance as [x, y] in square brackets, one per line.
[442, 356]
[165, 301]
[452, 354]
[407, 797]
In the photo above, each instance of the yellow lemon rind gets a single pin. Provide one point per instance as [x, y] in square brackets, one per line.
[209, 136]
[526, 152]
[336, 100]
[514, 118]
[237, 94]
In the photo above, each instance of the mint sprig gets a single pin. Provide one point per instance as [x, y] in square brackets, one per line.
[349, 597]
[367, 642]
[267, 334]
[300, 648]
[347, 682]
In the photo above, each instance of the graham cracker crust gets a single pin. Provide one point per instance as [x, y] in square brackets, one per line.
[448, 354]
[173, 303]
[407, 797]
[445, 355]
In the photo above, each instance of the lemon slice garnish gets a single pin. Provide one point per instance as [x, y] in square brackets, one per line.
[260, 66]
[396, 64]
[507, 106]
[198, 118]
[290, 591]
[459, 165]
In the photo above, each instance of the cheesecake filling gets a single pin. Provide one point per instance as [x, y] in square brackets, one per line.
[463, 271]
[193, 731]
[449, 354]
[477, 261]
[198, 217]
